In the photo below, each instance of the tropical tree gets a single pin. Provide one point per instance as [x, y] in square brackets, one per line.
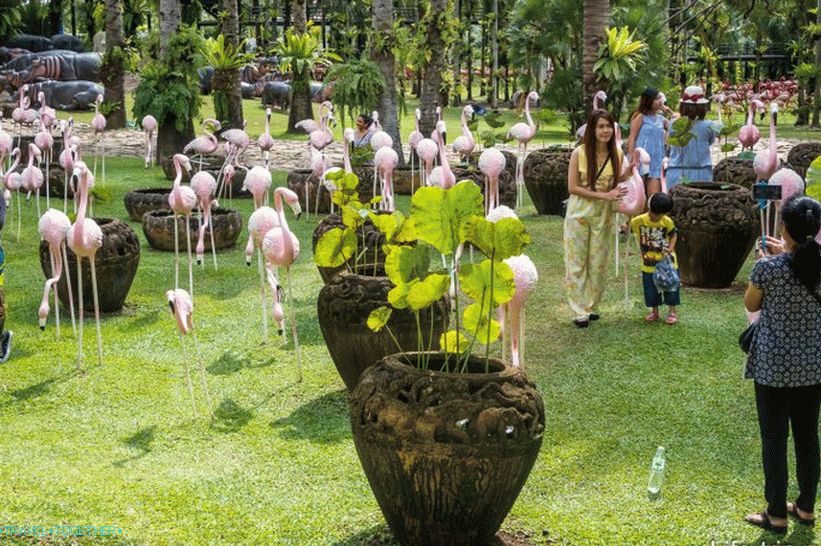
[358, 86]
[619, 57]
[435, 30]
[113, 66]
[226, 59]
[10, 16]
[382, 53]
[596, 18]
[230, 75]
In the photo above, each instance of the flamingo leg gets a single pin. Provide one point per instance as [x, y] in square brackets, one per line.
[48, 165]
[202, 374]
[190, 262]
[80, 311]
[65, 191]
[318, 189]
[96, 312]
[19, 215]
[70, 290]
[56, 301]
[213, 246]
[176, 253]
[293, 322]
[262, 296]
[103, 161]
[188, 376]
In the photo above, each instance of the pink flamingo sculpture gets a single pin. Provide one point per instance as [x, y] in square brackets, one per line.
[67, 158]
[23, 115]
[239, 142]
[464, 144]
[386, 159]
[257, 181]
[492, 162]
[53, 227]
[525, 278]
[182, 307]
[228, 180]
[261, 222]
[281, 249]
[6, 141]
[413, 141]
[206, 144]
[791, 184]
[182, 201]
[205, 188]
[442, 175]
[632, 203]
[524, 133]
[13, 181]
[427, 150]
[98, 123]
[436, 127]
[599, 99]
[149, 127]
[749, 134]
[32, 176]
[47, 114]
[45, 142]
[380, 138]
[85, 238]
[309, 125]
[319, 164]
[265, 142]
[765, 162]
[664, 163]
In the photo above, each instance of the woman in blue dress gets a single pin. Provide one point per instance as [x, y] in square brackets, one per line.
[647, 130]
[693, 162]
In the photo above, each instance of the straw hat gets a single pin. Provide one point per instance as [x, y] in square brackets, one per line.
[694, 94]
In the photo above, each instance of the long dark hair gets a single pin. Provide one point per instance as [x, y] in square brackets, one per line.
[802, 220]
[648, 97]
[589, 144]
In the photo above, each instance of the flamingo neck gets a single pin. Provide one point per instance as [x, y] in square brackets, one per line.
[80, 221]
[346, 157]
[773, 147]
[268, 125]
[750, 111]
[527, 112]
[287, 245]
[416, 121]
[11, 170]
[182, 320]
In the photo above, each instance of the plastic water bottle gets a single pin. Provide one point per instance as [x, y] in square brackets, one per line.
[656, 474]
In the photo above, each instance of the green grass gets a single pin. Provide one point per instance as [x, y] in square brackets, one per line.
[117, 444]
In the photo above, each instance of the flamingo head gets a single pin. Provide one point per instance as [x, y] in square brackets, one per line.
[268, 113]
[41, 98]
[601, 95]
[534, 96]
[229, 173]
[774, 111]
[99, 99]
[80, 169]
[181, 312]
[418, 114]
[35, 151]
[184, 162]
[663, 98]
[468, 110]
[42, 314]
[279, 315]
[441, 130]
[348, 134]
[214, 123]
[375, 116]
[291, 199]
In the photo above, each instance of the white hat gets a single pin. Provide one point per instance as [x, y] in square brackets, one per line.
[694, 94]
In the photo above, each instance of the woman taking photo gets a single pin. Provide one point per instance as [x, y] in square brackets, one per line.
[588, 223]
[785, 361]
[647, 130]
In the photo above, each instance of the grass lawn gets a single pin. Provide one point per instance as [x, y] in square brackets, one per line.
[117, 443]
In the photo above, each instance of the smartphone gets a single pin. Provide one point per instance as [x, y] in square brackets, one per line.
[767, 192]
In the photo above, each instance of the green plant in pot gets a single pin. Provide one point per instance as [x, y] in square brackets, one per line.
[348, 252]
[447, 438]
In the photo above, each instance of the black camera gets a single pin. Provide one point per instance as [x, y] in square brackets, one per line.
[767, 192]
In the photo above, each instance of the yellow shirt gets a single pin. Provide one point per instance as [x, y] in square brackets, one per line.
[653, 239]
[605, 178]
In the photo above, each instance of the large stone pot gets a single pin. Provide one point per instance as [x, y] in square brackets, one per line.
[302, 180]
[801, 155]
[507, 183]
[737, 170]
[717, 227]
[545, 174]
[209, 164]
[138, 202]
[446, 454]
[158, 226]
[115, 263]
[56, 150]
[343, 307]
[402, 180]
[372, 261]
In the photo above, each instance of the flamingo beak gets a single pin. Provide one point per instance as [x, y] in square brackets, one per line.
[42, 322]
[171, 305]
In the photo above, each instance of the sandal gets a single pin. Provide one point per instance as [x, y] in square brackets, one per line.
[671, 319]
[792, 509]
[762, 519]
[581, 323]
[652, 317]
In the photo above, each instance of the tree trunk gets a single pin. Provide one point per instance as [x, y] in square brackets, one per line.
[469, 45]
[494, 52]
[432, 82]
[233, 92]
[596, 16]
[383, 16]
[55, 16]
[114, 68]
[301, 84]
[457, 60]
[170, 18]
[816, 113]
[482, 57]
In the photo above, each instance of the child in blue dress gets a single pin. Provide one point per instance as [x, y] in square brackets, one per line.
[648, 129]
[693, 162]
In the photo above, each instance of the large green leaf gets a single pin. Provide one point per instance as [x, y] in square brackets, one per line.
[335, 247]
[428, 291]
[728, 147]
[475, 282]
[503, 239]
[814, 179]
[386, 223]
[379, 318]
[438, 214]
[476, 322]
[405, 263]
[453, 342]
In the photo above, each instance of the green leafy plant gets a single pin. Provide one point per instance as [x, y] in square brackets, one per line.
[490, 136]
[814, 179]
[358, 84]
[726, 131]
[301, 54]
[681, 134]
[619, 54]
[226, 60]
[443, 222]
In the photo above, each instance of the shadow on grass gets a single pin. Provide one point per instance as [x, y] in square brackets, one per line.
[378, 535]
[323, 420]
[145, 319]
[32, 391]
[230, 416]
[229, 362]
[801, 535]
[139, 441]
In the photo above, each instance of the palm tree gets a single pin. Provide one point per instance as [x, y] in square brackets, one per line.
[430, 98]
[596, 17]
[114, 64]
[230, 29]
[383, 55]
[300, 83]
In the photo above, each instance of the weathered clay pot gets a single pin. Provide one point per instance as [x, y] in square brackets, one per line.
[402, 180]
[507, 183]
[717, 227]
[736, 170]
[158, 226]
[138, 202]
[510, 161]
[343, 307]
[301, 179]
[372, 261]
[211, 165]
[545, 174]
[801, 155]
[446, 454]
[115, 263]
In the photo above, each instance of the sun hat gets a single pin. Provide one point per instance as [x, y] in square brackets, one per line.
[694, 94]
